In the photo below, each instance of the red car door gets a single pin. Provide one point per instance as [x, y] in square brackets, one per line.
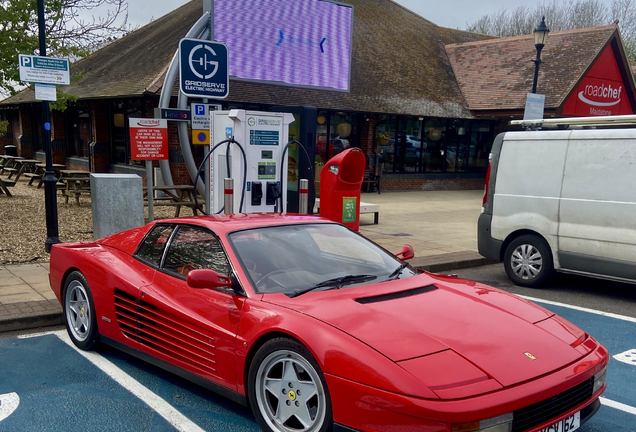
[191, 328]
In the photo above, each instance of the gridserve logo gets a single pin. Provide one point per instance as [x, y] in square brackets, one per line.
[203, 68]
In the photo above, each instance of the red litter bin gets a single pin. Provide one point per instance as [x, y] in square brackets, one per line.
[340, 183]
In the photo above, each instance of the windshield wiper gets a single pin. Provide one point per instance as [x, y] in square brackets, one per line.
[335, 283]
[396, 273]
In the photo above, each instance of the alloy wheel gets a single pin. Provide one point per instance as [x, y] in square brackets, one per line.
[78, 311]
[289, 393]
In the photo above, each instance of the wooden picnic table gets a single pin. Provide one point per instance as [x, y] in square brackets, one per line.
[24, 166]
[176, 196]
[8, 163]
[74, 183]
[41, 170]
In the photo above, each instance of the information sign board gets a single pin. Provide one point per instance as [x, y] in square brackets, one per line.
[534, 107]
[45, 92]
[44, 70]
[200, 115]
[203, 69]
[148, 139]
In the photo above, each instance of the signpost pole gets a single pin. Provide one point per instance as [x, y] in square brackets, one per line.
[50, 189]
[151, 194]
[208, 198]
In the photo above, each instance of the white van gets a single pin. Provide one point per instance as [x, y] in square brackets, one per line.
[561, 200]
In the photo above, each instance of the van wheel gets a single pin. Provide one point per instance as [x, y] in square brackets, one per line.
[528, 261]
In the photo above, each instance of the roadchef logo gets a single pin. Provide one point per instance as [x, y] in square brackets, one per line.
[592, 93]
[149, 122]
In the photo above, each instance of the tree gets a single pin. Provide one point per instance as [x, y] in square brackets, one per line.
[562, 15]
[68, 31]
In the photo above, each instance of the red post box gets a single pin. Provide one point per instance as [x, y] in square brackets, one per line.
[340, 183]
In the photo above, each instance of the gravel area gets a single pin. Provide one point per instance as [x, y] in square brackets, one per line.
[23, 222]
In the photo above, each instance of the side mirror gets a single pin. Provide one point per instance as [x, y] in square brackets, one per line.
[406, 252]
[207, 278]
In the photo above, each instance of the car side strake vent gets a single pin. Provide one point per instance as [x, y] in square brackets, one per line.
[397, 295]
[540, 412]
[161, 331]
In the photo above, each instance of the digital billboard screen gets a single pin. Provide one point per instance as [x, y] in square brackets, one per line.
[305, 43]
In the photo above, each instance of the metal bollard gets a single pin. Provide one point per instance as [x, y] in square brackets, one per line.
[228, 185]
[303, 197]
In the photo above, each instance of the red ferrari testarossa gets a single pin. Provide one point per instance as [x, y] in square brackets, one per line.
[319, 329]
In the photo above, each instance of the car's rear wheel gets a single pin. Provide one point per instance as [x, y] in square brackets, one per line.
[528, 261]
[79, 312]
[287, 390]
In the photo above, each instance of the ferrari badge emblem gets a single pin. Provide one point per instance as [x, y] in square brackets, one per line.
[292, 395]
[530, 356]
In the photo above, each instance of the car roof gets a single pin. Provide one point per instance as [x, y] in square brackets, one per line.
[222, 223]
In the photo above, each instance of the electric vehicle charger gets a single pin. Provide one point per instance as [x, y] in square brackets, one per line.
[229, 142]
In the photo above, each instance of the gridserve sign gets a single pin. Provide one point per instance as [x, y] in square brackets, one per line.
[203, 69]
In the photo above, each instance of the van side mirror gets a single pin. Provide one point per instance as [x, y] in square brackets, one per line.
[207, 278]
[406, 252]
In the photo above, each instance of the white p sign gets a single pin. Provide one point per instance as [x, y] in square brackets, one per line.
[25, 61]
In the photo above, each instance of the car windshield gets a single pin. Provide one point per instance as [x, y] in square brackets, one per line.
[294, 259]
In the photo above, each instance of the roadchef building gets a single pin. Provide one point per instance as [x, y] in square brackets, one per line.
[427, 100]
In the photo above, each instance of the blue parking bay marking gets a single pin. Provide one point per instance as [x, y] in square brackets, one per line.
[618, 334]
[58, 387]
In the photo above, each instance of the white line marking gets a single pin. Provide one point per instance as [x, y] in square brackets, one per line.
[617, 405]
[163, 408]
[628, 357]
[8, 403]
[593, 311]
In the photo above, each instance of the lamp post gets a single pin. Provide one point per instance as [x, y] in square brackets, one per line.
[50, 189]
[540, 38]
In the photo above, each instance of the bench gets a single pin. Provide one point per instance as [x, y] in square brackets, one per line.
[372, 174]
[364, 209]
[33, 176]
[11, 171]
[169, 202]
[4, 184]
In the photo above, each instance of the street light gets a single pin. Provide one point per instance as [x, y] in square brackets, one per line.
[540, 38]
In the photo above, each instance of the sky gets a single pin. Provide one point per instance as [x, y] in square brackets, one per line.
[446, 13]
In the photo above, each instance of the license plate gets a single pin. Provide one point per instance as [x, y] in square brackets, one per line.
[566, 425]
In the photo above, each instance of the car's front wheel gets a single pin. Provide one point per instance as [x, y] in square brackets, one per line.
[528, 261]
[79, 312]
[287, 390]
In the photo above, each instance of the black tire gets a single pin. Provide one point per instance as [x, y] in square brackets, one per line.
[79, 312]
[307, 399]
[528, 261]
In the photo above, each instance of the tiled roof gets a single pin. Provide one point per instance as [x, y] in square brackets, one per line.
[497, 74]
[399, 65]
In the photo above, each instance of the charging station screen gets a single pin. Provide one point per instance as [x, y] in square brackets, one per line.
[304, 43]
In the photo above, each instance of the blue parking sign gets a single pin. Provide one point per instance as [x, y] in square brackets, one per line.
[203, 69]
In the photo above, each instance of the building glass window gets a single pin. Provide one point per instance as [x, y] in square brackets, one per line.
[385, 141]
[481, 140]
[456, 137]
[343, 130]
[321, 136]
[433, 145]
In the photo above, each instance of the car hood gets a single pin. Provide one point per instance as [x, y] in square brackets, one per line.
[426, 314]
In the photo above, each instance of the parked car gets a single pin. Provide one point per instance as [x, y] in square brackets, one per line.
[314, 326]
[561, 201]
